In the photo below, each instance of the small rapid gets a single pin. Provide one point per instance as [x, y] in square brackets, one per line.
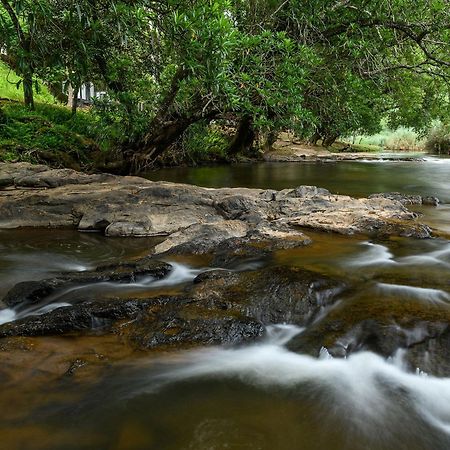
[367, 391]
[179, 275]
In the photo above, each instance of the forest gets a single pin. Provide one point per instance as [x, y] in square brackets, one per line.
[222, 75]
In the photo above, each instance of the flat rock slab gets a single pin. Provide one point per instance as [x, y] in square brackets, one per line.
[132, 206]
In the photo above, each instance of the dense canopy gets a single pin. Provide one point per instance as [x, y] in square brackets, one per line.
[321, 68]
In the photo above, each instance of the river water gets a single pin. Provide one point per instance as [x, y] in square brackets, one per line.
[258, 396]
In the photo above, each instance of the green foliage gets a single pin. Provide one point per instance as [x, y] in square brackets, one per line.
[438, 139]
[313, 67]
[401, 139]
[10, 87]
[205, 143]
[48, 134]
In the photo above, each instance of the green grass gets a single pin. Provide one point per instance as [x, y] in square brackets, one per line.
[49, 134]
[401, 139]
[10, 89]
[344, 146]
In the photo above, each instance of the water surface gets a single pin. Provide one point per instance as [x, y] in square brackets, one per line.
[259, 396]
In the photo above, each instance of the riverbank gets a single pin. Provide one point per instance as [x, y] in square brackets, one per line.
[51, 135]
[286, 149]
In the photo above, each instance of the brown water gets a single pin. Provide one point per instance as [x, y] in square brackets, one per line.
[259, 396]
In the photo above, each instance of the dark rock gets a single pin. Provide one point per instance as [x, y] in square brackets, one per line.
[82, 316]
[270, 295]
[430, 201]
[220, 307]
[32, 292]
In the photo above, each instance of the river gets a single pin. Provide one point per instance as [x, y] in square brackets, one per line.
[258, 396]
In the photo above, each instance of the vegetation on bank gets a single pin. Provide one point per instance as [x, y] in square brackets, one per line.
[219, 78]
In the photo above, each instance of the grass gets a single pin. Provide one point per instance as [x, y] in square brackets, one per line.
[10, 89]
[366, 148]
[401, 139]
[49, 134]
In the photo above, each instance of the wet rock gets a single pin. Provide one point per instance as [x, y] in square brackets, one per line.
[33, 292]
[221, 306]
[132, 206]
[270, 295]
[82, 316]
[202, 238]
[430, 201]
[431, 355]
[176, 331]
[381, 325]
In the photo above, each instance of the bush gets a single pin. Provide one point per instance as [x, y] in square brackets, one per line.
[438, 139]
[49, 134]
[401, 139]
[203, 143]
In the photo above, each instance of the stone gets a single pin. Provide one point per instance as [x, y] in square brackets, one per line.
[132, 206]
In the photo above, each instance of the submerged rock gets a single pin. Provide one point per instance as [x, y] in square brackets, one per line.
[384, 325]
[220, 306]
[33, 292]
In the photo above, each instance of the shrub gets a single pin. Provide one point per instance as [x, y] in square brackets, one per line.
[203, 143]
[438, 139]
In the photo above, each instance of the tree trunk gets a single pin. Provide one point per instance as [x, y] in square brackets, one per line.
[329, 140]
[315, 137]
[269, 139]
[146, 152]
[244, 137]
[73, 98]
[28, 91]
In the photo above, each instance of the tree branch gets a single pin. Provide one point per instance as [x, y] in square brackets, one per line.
[15, 20]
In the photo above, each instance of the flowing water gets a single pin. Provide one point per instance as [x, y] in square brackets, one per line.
[257, 396]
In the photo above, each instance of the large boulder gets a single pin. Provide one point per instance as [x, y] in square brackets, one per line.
[132, 206]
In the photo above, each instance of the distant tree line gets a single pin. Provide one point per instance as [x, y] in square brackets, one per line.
[320, 68]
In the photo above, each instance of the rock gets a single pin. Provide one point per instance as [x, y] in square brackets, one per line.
[132, 206]
[52, 178]
[407, 199]
[382, 326]
[9, 173]
[33, 292]
[257, 244]
[402, 198]
[202, 238]
[82, 316]
[221, 306]
[430, 201]
[278, 294]
[344, 215]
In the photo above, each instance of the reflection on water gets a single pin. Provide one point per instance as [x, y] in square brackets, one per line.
[350, 178]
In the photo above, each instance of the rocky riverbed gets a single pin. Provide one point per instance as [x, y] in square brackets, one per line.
[36, 196]
[230, 228]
